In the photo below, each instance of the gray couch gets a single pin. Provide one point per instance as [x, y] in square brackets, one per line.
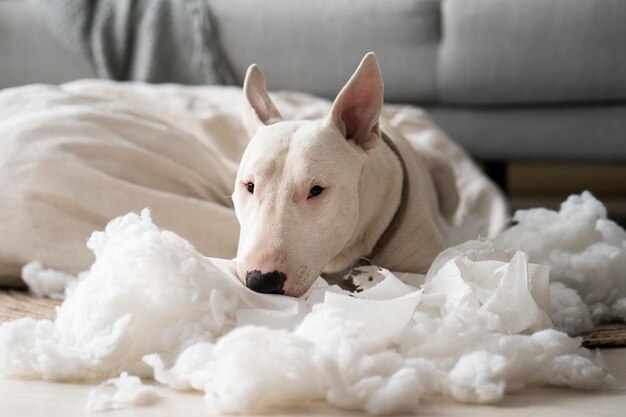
[508, 79]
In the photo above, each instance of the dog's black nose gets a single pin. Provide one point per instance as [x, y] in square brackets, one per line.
[269, 283]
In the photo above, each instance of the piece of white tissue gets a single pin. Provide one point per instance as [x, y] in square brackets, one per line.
[151, 305]
[124, 391]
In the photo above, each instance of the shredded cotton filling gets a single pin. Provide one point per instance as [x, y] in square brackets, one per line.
[486, 321]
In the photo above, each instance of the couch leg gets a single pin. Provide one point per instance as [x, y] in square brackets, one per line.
[497, 171]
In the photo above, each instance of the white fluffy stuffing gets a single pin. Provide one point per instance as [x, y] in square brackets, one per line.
[124, 391]
[45, 282]
[479, 327]
[568, 311]
[585, 251]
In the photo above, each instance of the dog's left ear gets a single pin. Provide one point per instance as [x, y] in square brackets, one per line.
[260, 110]
[357, 108]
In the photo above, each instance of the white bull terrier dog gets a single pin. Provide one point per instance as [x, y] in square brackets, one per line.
[317, 196]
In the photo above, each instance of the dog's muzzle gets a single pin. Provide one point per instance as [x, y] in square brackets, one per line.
[268, 283]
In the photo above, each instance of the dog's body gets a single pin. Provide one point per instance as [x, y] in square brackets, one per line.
[318, 196]
[310, 195]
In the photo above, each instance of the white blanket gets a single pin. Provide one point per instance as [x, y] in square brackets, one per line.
[75, 156]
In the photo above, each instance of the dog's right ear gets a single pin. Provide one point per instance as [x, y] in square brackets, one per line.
[260, 110]
[357, 108]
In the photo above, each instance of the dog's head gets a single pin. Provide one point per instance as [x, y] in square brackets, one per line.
[297, 190]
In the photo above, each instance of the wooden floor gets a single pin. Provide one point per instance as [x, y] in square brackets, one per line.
[45, 399]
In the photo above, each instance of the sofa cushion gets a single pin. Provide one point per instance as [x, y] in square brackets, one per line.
[581, 133]
[532, 51]
[315, 46]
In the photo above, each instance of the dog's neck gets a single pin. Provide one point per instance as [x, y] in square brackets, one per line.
[380, 194]
[400, 212]
[397, 227]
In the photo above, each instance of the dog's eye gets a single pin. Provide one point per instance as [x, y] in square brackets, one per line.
[250, 187]
[315, 191]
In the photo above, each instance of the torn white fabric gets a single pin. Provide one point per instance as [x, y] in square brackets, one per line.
[123, 391]
[517, 292]
[151, 305]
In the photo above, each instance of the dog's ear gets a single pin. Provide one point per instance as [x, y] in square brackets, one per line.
[260, 109]
[357, 108]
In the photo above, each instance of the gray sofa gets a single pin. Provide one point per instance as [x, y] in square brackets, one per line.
[508, 79]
